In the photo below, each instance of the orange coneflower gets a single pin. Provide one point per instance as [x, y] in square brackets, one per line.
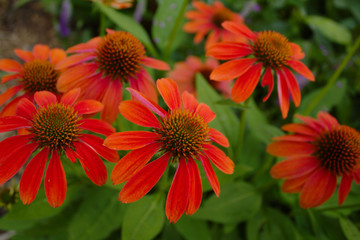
[54, 128]
[318, 151]
[269, 50]
[38, 73]
[181, 135]
[102, 65]
[184, 74]
[208, 19]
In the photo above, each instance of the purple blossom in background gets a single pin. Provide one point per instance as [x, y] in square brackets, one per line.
[64, 19]
[139, 10]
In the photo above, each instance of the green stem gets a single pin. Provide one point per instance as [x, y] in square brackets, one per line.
[102, 26]
[242, 128]
[175, 29]
[333, 78]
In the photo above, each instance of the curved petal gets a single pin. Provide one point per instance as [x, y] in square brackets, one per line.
[205, 112]
[131, 140]
[232, 69]
[327, 120]
[297, 51]
[138, 114]
[55, 181]
[89, 46]
[26, 109]
[32, 176]
[96, 125]
[294, 167]
[195, 188]
[311, 122]
[9, 65]
[238, 28]
[93, 165]
[96, 144]
[9, 93]
[300, 68]
[210, 174]
[295, 138]
[178, 195]
[294, 185]
[229, 50]
[219, 159]
[189, 101]
[56, 55]
[9, 123]
[111, 101]
[218, 137]
[170, 93]
[143, 83]
[144, 180]
[43, 98]
[70, 97]
[246, 84]
[292, 85]
[10, 77]
[88, 106]
[154, 63]
[24, 55]
[75, 59]
[132, 162]
[12, 144]
[41, 51]
[268, 80]
[289, 149]
[10, 108]
[344, 188]
[283, 94]
[300, 129]
[71, 155]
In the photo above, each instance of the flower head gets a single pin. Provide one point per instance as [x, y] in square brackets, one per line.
[118, 4]
[208, 19]
[318, 151]
[101, 66]
[53, 128]
[181, 135]
[269, 50]
[38, 73]
[184, 74]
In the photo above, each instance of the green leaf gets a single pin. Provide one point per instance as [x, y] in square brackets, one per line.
[128, 24]
[143, 219]
[192, 229]
[237, 202]
[350, 230]
[99, 214]
[330, 29]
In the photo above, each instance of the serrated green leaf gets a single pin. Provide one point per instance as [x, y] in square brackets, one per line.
[330, 29]
[143, 219]
[237, 202]
[350, 230]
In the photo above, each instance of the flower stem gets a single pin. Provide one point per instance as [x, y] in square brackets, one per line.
[242, 128]
[102, 25]
[333, 78]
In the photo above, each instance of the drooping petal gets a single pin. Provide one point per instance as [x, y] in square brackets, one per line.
[88, 106]
[210, 174]
[154, 63]
[344, 188]
[205, 112]
[144, 180]
[170, 93]
[130, 140]
[93, 165]
[71, 155]
[316, 187]
[9, 123]
[300, 68]
[189, 101]
[138, 114]
[70, 97]
[12, 144]
[178, 195]
[9, 65]
[96, 125]
[238, 28]
[133, 162]
[55, 181]
[219, 159]
[96, 144]
[292, 85]
[43, 98]
[195, 188]
[41, 51]
[289, 149]
[24, 55]
[283, 94]
[111, 101]
[228, 50]
[246, 84]
[143, 83]
[25, 109]
[32, 176]
[294, 185]
[232, 69]
[294, 167]
[218, 137]
[9, 93]
[268, 80]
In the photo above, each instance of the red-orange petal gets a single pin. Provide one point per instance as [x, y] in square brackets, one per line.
[268, 80]
[301, 68]
[24, 55]
[43, 98]
[143, 83]
[133, 162]
[11, 144]
[154, 63]
[344, 188]
[189, 101]
[210, 174]
[289, 149]
[205, 112]
[294, 167]
[138, 114]
[9, 65]
[32, 176]
[294, 185]
[219, 159]
[92, 164]
[144, 180]
[283, 94]
[55, 181]
[311, 122]
[218, 137]
[246, 84]
[89, 46]
[96, 144]
[10, 108]
[232, 69]
[71, 155]
[25, 109]
[170, 93]
[229, 50]
[9, 93]
[195, 188]
[297, 51]
[111, 101]
[88, 106]
[295, 138]
[292, 86]
[10, 77]
[9, 123]
[41, 51]
[75, 59]
[56, 55]
[327, 120]
[70, 97]
[130, 140]
[74, 74]
[238, 28]
[178, 195]
[299, 128]
[96, 125]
